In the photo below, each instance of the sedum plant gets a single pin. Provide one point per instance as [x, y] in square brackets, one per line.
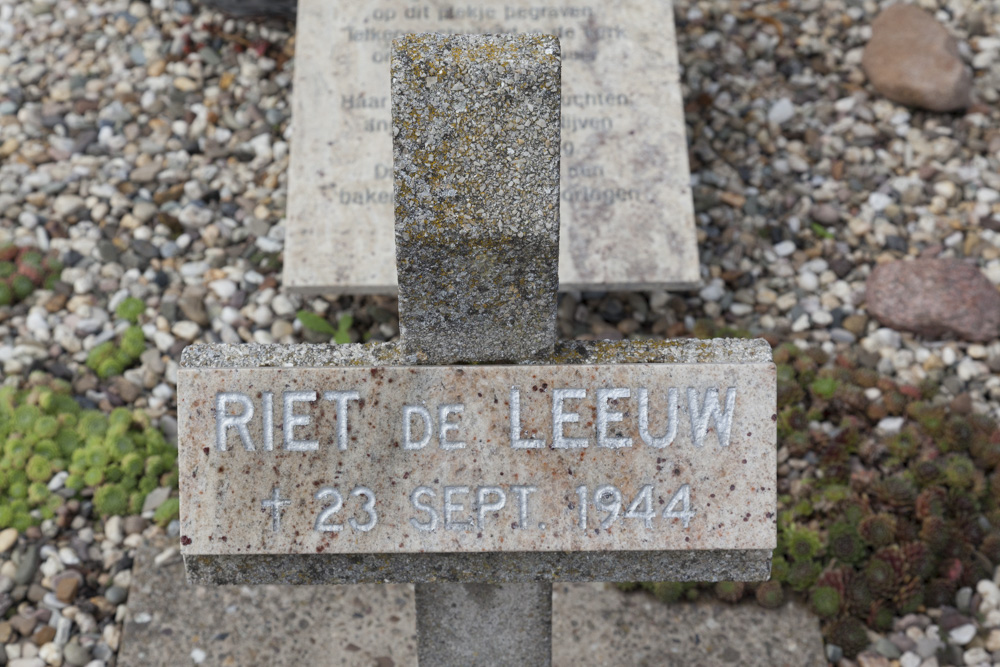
[881, 525]
[116, 459]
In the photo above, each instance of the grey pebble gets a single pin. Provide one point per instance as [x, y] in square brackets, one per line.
[926, 646]
[116, 595]
[963, 599]
[887, 648]
[76, 655]
[28, 566]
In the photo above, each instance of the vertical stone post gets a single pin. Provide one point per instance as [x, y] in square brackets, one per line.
[475, 122]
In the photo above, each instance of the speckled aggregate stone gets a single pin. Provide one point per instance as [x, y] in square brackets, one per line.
[251, 553]
[476, 165]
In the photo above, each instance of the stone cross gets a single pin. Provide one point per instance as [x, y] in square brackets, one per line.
[478, 458]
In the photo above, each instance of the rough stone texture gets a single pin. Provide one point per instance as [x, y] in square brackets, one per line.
[476, 164]
[682, 351]
[522, 565]
[593, 624]
[935, 298]
[494, 568]
[262, 625]
[626, 208]
[912, 59]
[504, 638]
[730, 476]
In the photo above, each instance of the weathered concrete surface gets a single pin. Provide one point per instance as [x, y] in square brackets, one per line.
[593, 624]
[213, 500]
[476, 164]
[512, 624]
[491, 437]
[169, 620]
[627, 214]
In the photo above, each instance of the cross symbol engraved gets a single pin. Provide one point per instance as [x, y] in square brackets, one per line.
[275, 503]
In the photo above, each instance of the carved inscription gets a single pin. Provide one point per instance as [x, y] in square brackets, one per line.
[418, 426]
[482, 458]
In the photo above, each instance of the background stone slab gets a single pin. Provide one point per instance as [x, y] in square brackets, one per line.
[263, 625]
[593, 624]
[626, 210]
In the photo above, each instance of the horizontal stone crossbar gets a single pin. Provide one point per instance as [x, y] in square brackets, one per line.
[347, 470]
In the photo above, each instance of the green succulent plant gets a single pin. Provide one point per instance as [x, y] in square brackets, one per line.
[117, 458]
[924, 523]
[22, 270]
[109, 359]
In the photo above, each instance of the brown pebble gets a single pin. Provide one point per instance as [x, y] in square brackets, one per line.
[66, 589]
[33, 533]
[44, 635]
[36, 593]
[962, 404]
[856, 324]
[6, 632]
[24, 626]
[133, 524]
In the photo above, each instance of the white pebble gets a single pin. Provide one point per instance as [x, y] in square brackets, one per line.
[891, 425]
[808, 281]
[58, 480]
[822, 318]
[991, 595]
[51, 654]
[963, 634]
[198, 656]
[113, 530]
[969, 369]
[224, 288]
[740, 309]
[713, 291]
[976, 656]
[186, 330]
[51, 567]
[887, 338]
[801, 324]
[68, 556]
[784, 249]
[879, 201]
[781, 111]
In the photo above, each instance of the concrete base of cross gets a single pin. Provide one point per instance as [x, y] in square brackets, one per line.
[512, 624]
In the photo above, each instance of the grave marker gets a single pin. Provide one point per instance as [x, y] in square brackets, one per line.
[627, 218]
[575, 461]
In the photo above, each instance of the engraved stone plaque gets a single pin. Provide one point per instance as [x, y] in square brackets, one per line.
[391, 463]
[626, 214]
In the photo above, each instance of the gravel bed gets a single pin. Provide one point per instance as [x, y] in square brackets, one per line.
[146, 144]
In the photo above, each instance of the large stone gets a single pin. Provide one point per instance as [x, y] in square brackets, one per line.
[913, 60]
[627, 219]
[935, 298]
[476, 162]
